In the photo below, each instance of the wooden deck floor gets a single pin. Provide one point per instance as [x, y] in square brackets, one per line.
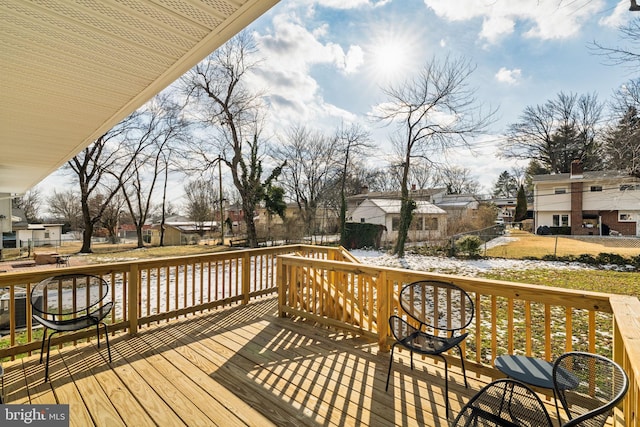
[236, 367]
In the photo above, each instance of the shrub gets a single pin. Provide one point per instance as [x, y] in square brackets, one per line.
[469, 245]
[608, 258]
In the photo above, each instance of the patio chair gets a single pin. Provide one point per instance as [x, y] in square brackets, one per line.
[504, 402]
[70, 302]
[601, 385]
[437, 313]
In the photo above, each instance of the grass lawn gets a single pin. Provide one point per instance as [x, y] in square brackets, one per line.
[532, 245]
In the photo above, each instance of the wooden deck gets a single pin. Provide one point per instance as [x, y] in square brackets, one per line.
[235, 367]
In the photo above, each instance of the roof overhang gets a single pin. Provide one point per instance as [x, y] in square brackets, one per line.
[70, 71]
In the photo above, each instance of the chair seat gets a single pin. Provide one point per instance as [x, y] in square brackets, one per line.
[423, 343]
[77, 323]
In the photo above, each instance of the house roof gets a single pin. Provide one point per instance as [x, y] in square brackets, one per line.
[421, 194]
[454, 201]
[73, 70]
[393, 207]
[586, 176]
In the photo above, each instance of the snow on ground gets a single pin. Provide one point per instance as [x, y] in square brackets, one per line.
[466, 267]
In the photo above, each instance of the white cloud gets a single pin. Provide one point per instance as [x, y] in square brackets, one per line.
[511, 77]
[350, 4]
[290, 52]
[543, 19]
[619, 17]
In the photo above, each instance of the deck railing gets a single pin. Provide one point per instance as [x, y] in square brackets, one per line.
[331, 287]
[510, 318]
[157, 290]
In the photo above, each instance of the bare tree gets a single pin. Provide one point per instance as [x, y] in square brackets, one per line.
[232, 113]
[622, 138]
[100, 169]
[312, 162]
[112, 217]
[458, 180]
[65, 206]
[432, 111]
[626, 54]
[558, 132]
[160, 125]
[353, 141]
[202, 199]
[30, 203]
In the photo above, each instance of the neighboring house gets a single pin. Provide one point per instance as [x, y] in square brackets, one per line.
[506, 208]
[426, 195]
[588, 202]
[457, 205]
[181, 231]
[429, 221]
[25, 234]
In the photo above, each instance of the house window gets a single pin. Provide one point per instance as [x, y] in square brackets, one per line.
[417, 223]
[395, 223]
[46, 234]
[362, 220]
[626, 217]
[560, 190]
[561, 220]
[431, 223]
[596, 188]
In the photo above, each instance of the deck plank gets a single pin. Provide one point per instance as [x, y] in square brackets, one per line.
[155, 409]
[241, 365]
[190, 363]
[168, 391]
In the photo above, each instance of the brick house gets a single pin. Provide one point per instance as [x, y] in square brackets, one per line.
[588, 202]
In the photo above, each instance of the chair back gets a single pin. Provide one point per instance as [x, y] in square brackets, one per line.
[588, 386]
[437, 305]
[64, 296]
[504, 402]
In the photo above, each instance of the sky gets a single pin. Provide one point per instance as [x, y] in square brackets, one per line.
[326, 61]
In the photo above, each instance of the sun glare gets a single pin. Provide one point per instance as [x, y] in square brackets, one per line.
[393, 54]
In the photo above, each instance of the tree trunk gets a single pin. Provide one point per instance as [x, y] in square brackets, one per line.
[406, 212]
[87, 233]
[139, 233]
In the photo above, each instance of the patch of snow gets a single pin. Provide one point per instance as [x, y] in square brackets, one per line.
[467, 267]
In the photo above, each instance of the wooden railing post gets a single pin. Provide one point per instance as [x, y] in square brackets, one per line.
[132, 308]
[385, 295]
[281, 279]
[246, 277]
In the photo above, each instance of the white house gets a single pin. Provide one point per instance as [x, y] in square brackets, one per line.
[429, 221]
[588, 202]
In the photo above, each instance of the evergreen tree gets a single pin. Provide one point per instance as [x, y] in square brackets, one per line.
[506, 186]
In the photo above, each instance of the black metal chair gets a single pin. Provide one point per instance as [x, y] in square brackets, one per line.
[70, 302]
[601, 385]
[437, 313]
[504, 402]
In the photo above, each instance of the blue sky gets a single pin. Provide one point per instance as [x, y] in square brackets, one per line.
[325, 61]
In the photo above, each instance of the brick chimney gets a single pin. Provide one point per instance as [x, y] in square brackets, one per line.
[577, 169]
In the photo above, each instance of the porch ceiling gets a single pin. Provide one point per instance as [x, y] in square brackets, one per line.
[70, 70]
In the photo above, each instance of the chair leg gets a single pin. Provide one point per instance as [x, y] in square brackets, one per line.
[46, 367]
[106, 337]
[390, 363]
[464, 372]
[446, 384]
[98, 333]
[44, 337]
